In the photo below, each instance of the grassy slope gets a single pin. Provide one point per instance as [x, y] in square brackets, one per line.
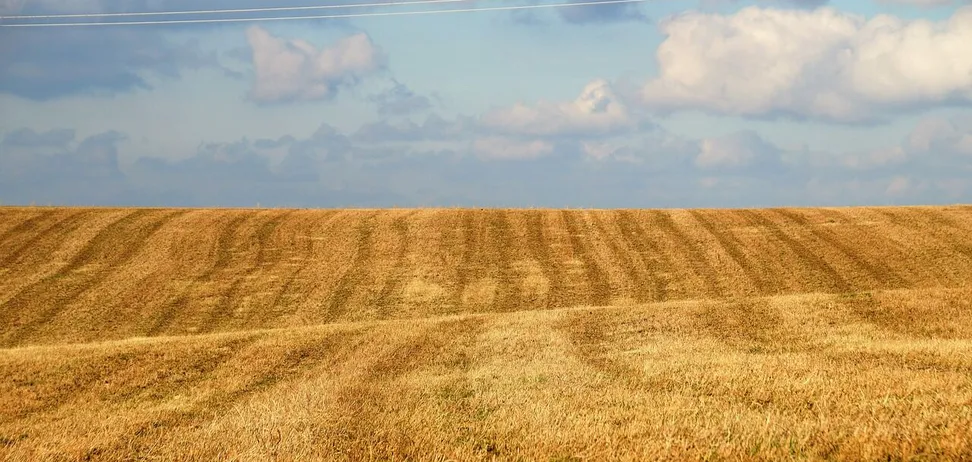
[465, 334]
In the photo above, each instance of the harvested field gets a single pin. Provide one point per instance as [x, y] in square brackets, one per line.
[189, 334]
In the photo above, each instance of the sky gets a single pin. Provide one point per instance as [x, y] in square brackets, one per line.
[663, 103]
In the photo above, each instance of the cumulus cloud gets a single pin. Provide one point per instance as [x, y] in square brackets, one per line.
[597, 111]
[818, 64]
[291, 70]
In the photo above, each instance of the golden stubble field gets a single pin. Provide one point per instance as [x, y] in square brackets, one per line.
[456, 334]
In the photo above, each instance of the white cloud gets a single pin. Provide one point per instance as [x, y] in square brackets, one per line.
[597, 111]
[288, 70]
[494, 147]
[820, 64]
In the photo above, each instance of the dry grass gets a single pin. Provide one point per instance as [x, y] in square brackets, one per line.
[461, 334]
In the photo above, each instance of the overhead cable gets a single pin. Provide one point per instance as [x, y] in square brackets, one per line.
[227, 11]
[306, 17]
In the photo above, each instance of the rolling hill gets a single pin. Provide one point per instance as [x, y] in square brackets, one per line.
[254, 334]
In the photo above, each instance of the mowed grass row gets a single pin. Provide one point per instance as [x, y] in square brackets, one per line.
[80, 275]
[885, 375]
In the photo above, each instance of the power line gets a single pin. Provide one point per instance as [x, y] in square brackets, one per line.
[328, 16]
[239, 10]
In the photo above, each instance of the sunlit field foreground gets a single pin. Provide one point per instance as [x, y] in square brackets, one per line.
[167, 334]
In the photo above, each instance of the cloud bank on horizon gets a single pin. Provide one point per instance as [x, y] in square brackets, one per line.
[719, 103]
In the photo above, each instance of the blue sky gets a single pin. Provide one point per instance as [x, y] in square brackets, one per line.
[715, 103]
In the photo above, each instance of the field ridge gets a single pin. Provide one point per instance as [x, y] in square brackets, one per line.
[509, 258]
